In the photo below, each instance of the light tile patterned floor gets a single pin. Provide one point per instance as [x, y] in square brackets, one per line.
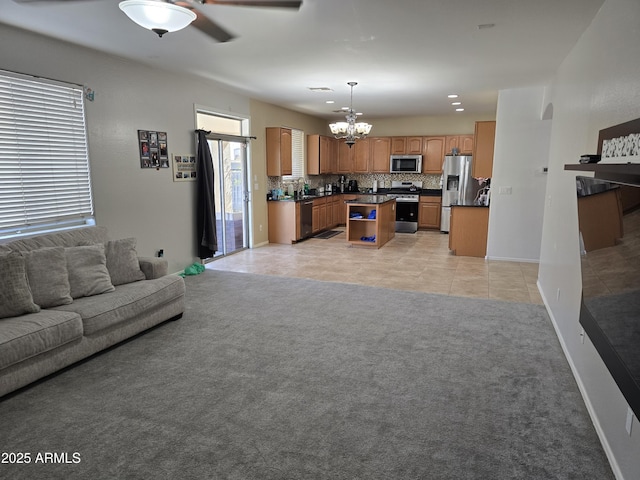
[419, 261]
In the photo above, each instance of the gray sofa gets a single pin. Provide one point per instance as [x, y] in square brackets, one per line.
[67, 295]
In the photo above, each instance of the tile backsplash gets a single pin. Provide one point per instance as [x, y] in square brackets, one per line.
[365, 180]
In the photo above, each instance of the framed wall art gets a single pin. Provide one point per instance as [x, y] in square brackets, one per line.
[184, 168]
[153, 149]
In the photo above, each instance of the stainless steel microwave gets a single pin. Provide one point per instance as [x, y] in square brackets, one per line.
[406, 164]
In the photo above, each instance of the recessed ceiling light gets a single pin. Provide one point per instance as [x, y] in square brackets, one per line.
[320, 89]
[459, 109]
[484, 26]
[456, 103]
[330, 101]
[453, 95]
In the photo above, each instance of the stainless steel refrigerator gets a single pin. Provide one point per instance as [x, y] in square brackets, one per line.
[458, 186]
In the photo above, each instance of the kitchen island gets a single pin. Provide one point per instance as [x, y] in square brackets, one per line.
[468, 230]
[371, 220]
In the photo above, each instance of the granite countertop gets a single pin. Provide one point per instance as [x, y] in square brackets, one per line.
[472, 205]
[370, 199]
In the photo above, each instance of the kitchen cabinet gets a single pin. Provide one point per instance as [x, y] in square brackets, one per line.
[485, 134]
[337, 209]
[283, 222]
[433, 151]
[321, 155]
[361, 156]
[468, 230]
[319, 221]
[398, 145]
[382, 227]
[464, 144]
[279, 161]
[379, 151]
[345, 158]
[406, 145]
[429, 212]
[343, 207]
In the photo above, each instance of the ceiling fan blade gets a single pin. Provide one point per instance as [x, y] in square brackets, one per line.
[204, 23]
[256, 3]
[212, 29]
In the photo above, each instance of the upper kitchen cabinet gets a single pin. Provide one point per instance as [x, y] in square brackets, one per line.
[345, 157]
[398, 145]
[278, 151]
[361, 155]
[380, 151]
[464, 144]
[406, 145]
[485, 135]
[433, 151]
[322, 154]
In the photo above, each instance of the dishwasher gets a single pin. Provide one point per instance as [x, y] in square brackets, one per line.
[306, 219]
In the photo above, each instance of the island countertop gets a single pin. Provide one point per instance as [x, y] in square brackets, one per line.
[370, 199]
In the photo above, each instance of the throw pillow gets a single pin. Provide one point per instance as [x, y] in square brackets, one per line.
[15, 294]
[88, 274]
[48, 276]
[122, 261]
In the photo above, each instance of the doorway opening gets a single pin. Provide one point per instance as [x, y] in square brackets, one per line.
[228, 147]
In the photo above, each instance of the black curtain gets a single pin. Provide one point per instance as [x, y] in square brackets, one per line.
[206, 207]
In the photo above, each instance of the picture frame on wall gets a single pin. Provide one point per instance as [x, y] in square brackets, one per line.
[184, 168]
[153, 149]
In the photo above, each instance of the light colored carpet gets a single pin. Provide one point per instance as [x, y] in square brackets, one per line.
[277, 378]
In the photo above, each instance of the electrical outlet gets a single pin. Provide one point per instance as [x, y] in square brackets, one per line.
[582, 335]
[505, 190]
[629, 423]
[260, 227]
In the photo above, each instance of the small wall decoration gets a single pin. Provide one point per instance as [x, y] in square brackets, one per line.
[153, 149]
[620, 143]
[184, 168]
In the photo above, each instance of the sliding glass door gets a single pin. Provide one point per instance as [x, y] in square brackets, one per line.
[231, 197]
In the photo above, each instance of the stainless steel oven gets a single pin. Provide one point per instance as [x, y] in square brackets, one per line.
[407, 195]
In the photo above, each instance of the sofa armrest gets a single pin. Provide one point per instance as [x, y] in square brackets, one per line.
[153, 267]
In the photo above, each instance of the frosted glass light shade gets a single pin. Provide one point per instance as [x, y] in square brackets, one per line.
[159, 17]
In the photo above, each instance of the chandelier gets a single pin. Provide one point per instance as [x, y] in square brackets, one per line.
[159, 17]
[350, 130]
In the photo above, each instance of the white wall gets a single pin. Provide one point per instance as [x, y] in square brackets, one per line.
[130, 201]
[597, 86]
[521, 151]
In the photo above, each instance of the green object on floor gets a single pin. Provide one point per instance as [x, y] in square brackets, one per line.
[195, 269]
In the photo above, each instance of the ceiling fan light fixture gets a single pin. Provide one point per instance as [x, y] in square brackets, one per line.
[159, 17]
[350, 131]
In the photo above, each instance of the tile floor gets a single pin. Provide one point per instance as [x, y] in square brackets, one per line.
[419, 261]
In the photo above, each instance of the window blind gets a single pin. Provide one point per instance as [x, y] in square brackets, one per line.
[297, 155]
[45, 180]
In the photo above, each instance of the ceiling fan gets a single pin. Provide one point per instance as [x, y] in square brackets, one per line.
[202, 22]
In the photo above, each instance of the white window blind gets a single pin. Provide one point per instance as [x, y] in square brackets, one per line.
[44, 164]
[298, 161]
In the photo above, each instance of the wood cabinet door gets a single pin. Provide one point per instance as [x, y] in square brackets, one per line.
[325, 154]
[414, 145]
[398, 145]
[380, 154]
[315, 219]
[345, 158]
[451, 142]
[429, 215]
[361, 156]
[337, 207]
[433, 154]
[465, 144]
[278, 151]
[483, 151]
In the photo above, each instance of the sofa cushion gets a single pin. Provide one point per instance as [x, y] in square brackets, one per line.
[48, 276]
[15, 294]
[122, 261]
[88, 274]
[125, 303]
[27, 336]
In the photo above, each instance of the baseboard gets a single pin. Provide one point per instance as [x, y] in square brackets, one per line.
[261, 244]
[509, 259]
[583, 391]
